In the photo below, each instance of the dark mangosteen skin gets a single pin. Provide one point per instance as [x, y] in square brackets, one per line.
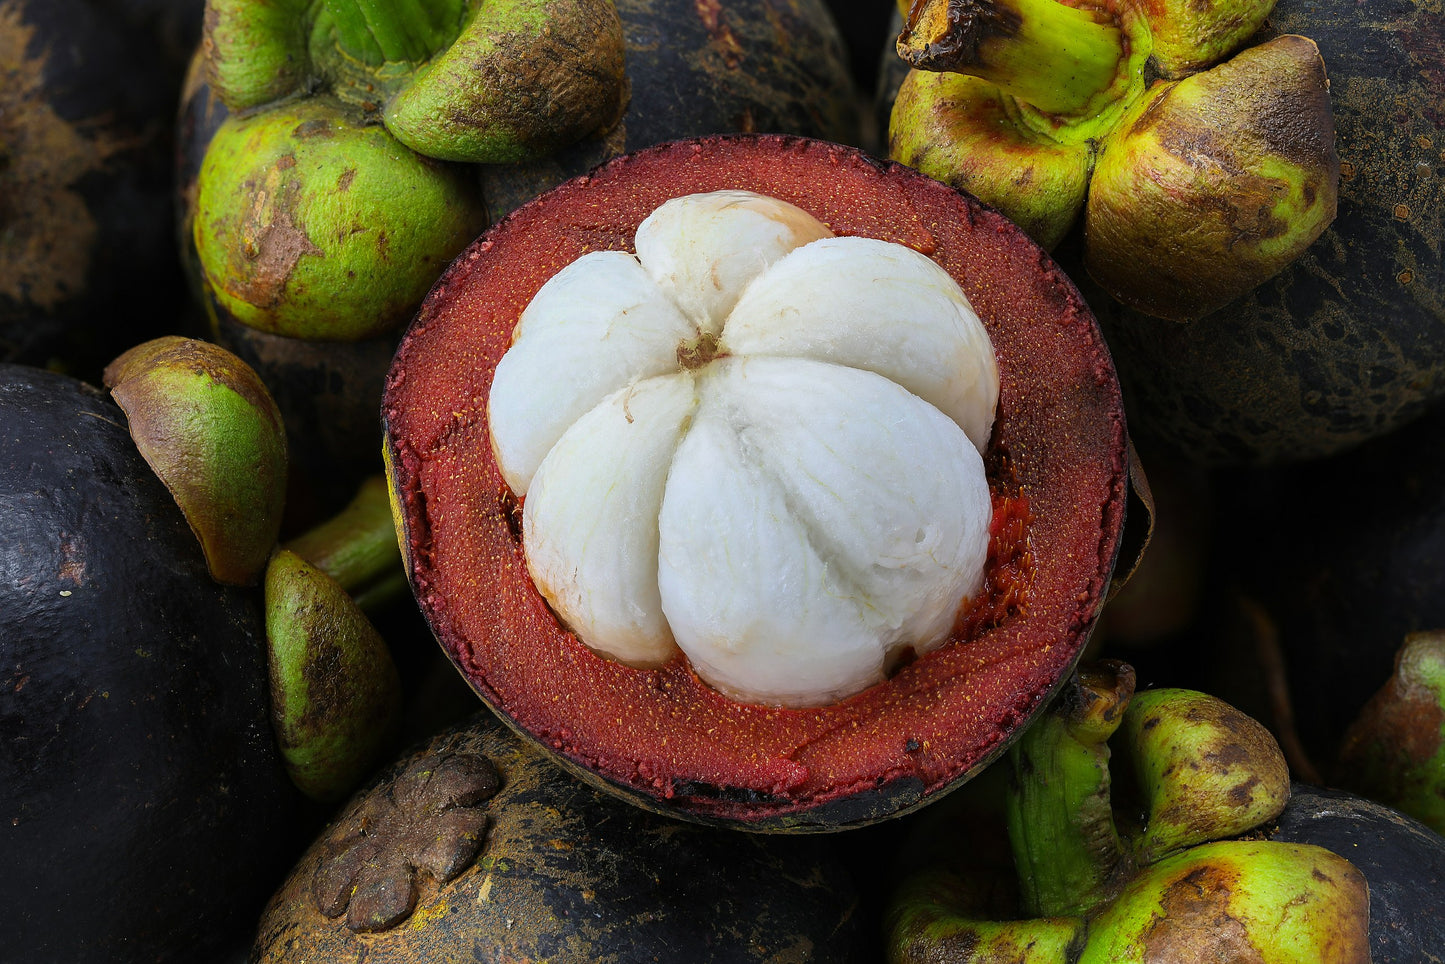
[87, 113]
[567, 873]
[1347, 343]
[144, 809]
[1402, 859]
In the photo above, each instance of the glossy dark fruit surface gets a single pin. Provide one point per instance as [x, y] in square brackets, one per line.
[1058, 475]
[478, 848]
[145, 809]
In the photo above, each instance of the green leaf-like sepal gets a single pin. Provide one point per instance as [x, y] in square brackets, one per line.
[335, 693]
[212, 433]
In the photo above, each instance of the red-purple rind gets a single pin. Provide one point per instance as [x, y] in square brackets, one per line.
[662, 737]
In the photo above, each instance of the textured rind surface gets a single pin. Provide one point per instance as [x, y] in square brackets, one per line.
[661, 736]
[1403, 862]
[145, 811]
[1349, 341]
[568, 874]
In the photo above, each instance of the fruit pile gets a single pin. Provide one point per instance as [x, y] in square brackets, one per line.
[652, 480]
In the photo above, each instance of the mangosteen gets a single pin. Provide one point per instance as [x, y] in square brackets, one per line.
[912, 579]
[85, 177]
[147, 812]
[1347, 343]
[475, 846]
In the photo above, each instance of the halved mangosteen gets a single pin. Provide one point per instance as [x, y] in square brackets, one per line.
[1054, 464]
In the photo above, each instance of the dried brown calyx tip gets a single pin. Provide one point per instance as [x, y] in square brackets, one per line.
[947, 34]
[432, 819]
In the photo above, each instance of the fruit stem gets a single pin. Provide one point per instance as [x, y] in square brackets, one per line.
[357, 547]
[1067, 849]
[379, 32]
[1059, 59]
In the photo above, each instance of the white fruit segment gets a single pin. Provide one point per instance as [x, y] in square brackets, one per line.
[754, 442]
[703, 249]
[595, 326]
[590, 518]
[878, 306]
[817, 519]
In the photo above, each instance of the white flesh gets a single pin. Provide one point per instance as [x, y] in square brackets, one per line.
[792, 513]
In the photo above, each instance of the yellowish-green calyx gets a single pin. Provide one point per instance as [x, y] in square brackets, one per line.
[1020, 101]
[335, 191]
[1182, 871]
[211, 432]
[461, 80]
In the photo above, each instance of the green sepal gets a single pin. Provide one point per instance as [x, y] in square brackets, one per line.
[1212, 184]
[312, 223]
[210, 430]
[1067, 851]
[1186, 35]
[524, 78]
[1206, 770]
[972, 136]
[335, 692]
[1238, 900]
[1062, 59]
[257, 53]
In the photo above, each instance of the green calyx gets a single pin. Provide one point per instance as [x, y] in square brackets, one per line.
[1066, 847]
[335, 693]
[1058, 59]
[334, 193]
[1044, 121]
[212, 433]
[493, 82]
[1394, 752]
[1157, 871]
